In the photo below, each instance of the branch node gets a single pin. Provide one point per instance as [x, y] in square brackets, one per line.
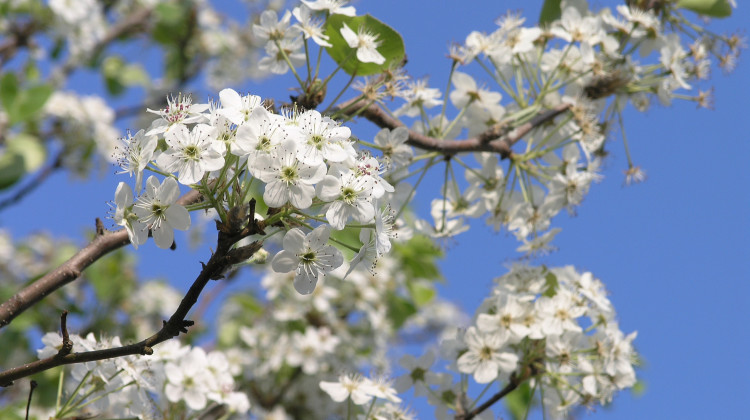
[100, 230]
[67, 344]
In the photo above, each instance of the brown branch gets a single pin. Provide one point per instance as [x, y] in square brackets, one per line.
[102, 244]
[487, 404]
[512, 385]
[19, 36]
[222, 259]
[498, 138]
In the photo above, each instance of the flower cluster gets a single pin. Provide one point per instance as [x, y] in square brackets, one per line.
[593, 63]
[555, 322]
[126, 386]
[306, 162]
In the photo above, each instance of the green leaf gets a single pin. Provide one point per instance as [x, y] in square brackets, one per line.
[519, 401]
[31, 101]
[422, 293]
[112, 277]
[111, 70]
[133, 74]
[399, 309]
[171, 23]
[11, 169]
[8, 90]
[391, 44]
[551, 286]
[712, 8]
[23, 154]
[418, 257]
[550, 12]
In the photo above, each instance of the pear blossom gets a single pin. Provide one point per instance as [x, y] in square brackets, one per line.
[136, 155]
[189, 379]
[348, 386]
[365, 42]
[236, 108]
[191, 153]
[393, 145]
[350, 198]
[260, 134]
[308, 255]
[418, 97]
[333, 7]
[271, 28]
[157, 209]
[310, 26]
[468, 92]
[274, 60]
[127, 218]
[508, 319]
[287, 179]
[323, 139]
[179, 110]
[486, 357]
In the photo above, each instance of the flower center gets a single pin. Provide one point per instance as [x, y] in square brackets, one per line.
[192, 152]
[264, 143]
[348, 195]
[317, 140]
[308, 257]
[158, 210]
[289, 174]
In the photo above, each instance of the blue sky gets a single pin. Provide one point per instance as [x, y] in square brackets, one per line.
[673, 251]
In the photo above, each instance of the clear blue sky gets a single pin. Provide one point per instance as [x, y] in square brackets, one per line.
[672, 251]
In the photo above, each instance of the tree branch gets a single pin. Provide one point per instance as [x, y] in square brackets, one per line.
[222, 259]
[498, 138]
[19, 35]
[104, 243]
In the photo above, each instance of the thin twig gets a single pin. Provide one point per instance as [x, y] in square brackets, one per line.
[31, 392]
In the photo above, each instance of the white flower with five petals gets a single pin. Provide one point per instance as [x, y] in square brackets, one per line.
[191, 153]
[309, 256]
[365, 42]
[287, 179]
[157, 209]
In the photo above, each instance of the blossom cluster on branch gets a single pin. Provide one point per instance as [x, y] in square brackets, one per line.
[328, 211]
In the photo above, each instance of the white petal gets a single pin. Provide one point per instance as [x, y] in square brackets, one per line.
[230, 98]
[178, 217]
[337, 392]
[276, 194]
[304, 282]
[170, 191]
[284, 262]
[319, 237]
[329, 188]
[123, 195]
[177, 136]
[294, 241]
[370, 55]
[349, 36]
[163, 236]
